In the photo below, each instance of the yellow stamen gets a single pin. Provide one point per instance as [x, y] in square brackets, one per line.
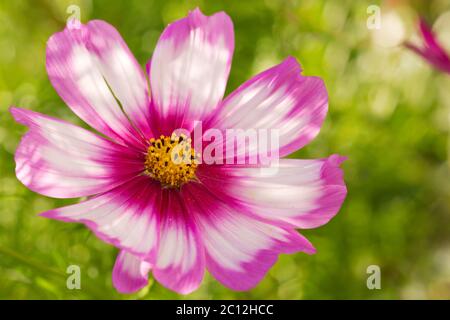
[171, 160]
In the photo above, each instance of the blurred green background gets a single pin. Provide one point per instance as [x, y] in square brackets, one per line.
[389, 113]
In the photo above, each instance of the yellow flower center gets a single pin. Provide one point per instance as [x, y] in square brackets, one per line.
[171, 160]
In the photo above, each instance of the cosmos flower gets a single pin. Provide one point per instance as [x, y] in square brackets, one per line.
[176, 219]
[432, 50]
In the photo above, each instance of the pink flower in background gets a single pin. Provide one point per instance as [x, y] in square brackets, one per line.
[432, 50]
[176, 220]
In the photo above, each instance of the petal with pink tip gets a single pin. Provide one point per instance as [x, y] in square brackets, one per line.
[61, 160]
[180, 262]
[430, 39]
[432, 51]
[240, 249]
[130, 273]
[278, 99]
[126, 217]
[189, 69]
[302, 193]
[95, 73]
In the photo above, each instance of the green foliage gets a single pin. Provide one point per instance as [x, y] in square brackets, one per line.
[388, 113]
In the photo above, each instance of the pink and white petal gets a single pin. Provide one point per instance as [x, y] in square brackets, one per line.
[58, 159]
[126, 217]
[301, 193]
[430, 39]
[130, 273]
[239, 248]
[91, 68]
[189, 69]
[180, 262]
[279, 100]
